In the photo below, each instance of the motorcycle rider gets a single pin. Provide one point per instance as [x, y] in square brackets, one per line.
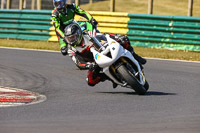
[62, 15]
[79, 49]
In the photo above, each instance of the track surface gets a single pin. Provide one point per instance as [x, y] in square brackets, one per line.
[172, 104]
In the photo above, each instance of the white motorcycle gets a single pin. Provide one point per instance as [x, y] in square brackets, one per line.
[119, 65]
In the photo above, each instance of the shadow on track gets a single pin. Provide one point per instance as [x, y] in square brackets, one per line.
[149, 93]
[156, 93]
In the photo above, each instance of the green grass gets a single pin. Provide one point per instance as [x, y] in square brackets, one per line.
[161, 7]
[143, 51]
[28, 44]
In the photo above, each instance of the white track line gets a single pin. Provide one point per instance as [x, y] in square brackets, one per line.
[30, 49]
[59, 52]
[173, 60]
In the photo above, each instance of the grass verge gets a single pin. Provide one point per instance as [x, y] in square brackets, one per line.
[142, 51]
[160, 7]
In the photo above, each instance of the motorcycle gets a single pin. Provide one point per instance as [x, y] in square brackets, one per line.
[119, 65]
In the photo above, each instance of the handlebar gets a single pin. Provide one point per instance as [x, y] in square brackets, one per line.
[97, 44]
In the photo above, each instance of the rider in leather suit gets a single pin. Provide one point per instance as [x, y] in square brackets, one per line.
[62, 15]
[79, 49]
[62, 18]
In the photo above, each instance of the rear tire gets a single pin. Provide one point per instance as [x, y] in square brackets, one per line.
[131, 80]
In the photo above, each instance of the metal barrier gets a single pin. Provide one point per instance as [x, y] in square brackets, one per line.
[164, 31]
[25, 24]
[143, 30]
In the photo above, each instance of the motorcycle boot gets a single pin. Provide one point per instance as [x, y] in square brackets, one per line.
[125, 42]
[94, 76]
[137, 57]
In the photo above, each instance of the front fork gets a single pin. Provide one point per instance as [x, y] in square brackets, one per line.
[112, 73]
[138, 74]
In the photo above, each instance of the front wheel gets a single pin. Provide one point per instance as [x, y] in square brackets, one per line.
[129, 77]
[146, 85]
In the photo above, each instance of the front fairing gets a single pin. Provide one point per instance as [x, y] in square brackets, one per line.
[107, 57]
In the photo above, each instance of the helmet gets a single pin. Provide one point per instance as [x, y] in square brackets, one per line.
[73, 34]
[59, 4]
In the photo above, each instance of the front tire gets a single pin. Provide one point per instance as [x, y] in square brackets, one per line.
[146, 85]
[131, 80]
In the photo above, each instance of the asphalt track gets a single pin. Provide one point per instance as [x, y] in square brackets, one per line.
[172, 104]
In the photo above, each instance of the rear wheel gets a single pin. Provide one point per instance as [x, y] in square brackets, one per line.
[129, 77]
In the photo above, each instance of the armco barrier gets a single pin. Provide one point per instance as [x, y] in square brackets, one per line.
[25, 24]
[164, 31]
[143, 30]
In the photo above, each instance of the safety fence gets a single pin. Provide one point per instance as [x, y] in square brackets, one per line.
[176, 32]
[25, 24]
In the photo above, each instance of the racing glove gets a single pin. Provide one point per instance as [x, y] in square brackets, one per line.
[93, 22]
[80, 62]
[83, 66]
[64, 50]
